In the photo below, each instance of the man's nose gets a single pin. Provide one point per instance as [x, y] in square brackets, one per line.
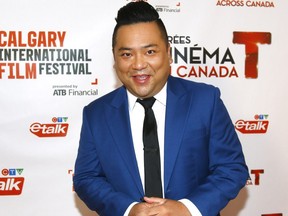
[139, 62]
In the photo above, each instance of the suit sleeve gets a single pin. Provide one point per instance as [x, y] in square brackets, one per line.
[90, 182]
[227, 168]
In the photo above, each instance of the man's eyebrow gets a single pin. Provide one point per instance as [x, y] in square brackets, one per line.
[150, 45]
[124, 48]
[143, 47]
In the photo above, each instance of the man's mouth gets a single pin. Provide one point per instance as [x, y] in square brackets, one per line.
[141, 78]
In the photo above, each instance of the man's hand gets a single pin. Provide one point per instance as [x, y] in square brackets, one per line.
[140, 209]
[166, 207]
[160, 207]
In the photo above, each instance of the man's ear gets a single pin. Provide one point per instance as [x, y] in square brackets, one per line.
[169, 53]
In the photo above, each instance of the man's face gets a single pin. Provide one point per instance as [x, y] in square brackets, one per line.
[142, 58]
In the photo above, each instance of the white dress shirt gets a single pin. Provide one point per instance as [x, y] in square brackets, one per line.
[137, 114]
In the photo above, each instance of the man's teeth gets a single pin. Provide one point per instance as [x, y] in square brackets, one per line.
[142, 77]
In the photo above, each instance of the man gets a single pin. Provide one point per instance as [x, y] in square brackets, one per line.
[202, 164]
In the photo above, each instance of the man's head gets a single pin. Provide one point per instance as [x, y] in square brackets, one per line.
[141, 50]
[137, 12]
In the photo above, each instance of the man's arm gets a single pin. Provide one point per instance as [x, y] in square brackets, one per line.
[228, 172]
[90, 182]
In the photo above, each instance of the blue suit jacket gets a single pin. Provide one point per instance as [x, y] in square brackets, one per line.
[203, 159]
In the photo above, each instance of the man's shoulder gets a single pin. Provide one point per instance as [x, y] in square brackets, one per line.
[190, 85]
[107, 98]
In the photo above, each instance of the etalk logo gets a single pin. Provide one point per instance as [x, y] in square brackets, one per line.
[11, 183]
[257, 126]
[11, 186]
[57, 129]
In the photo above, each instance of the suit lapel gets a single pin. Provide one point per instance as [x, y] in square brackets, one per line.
[118, 120]
[177, 108]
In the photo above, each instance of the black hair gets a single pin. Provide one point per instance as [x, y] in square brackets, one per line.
[137, 12]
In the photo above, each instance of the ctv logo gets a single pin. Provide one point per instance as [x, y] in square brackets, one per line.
[11, 184]
[257, 126]
[58, 128]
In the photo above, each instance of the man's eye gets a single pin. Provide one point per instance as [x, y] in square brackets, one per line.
[150, 52]
[126, 55]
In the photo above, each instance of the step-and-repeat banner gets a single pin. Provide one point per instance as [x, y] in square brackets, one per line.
[55, 57]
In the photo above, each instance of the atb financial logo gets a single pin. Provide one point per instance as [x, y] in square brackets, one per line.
[58, 128]
[74, 90]
[11, 182]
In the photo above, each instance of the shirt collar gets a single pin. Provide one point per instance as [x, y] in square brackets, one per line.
[160, 97]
